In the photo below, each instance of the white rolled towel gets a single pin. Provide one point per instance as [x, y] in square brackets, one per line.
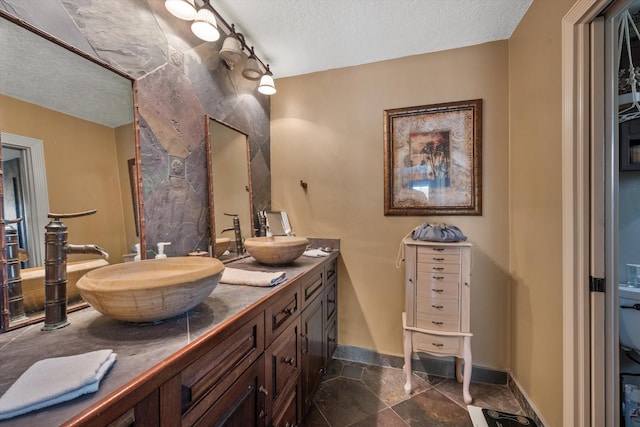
[55, 380]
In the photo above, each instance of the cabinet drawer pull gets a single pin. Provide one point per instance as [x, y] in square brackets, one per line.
[439, 291]
[438, 249]
[438, 307]
[437, 323]
[438, 259]
[288, 361]
[437, 344]
[437, 277]
[331, 340]
[331, 301]
[288, 310]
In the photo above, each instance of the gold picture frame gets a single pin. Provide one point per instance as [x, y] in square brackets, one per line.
[433, 159]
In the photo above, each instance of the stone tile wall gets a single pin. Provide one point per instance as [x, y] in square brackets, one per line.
[180, 79]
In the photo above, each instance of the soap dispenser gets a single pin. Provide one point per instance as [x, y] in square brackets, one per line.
[137, 257]
[161, 253]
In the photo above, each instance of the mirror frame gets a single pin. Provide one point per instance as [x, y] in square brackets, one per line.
[212, 224]
[5, 321]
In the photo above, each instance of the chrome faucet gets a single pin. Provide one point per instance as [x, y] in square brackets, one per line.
[55, 268]
[238, 234]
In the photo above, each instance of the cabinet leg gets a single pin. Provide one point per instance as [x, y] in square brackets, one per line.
[458, 362]
[407, 360]
[467, 371]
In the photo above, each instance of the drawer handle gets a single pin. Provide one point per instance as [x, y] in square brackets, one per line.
[439, 291]
[288, 311]
[331, 301]
[437, 277]
[288, 360]
[438, 307]
[438, 249]
[438, 268]
[437, 323]
[438, 259]
[331, 340]
[437, 344]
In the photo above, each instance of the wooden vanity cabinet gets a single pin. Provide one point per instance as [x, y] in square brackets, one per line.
[262, 373]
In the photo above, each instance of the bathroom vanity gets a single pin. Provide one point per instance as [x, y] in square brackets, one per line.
[436, 320]
[248, 356]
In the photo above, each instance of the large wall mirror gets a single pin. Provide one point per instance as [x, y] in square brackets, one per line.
[68, 136]
[229, 187]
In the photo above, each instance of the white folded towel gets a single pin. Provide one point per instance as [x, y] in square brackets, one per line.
[51, 381]
[235, 276]
[315, 253]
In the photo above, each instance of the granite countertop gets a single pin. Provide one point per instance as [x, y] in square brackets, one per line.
[139, 347]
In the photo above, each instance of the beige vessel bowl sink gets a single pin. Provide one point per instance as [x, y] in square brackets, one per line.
[150, 290]
[276, 250]
[222, 244]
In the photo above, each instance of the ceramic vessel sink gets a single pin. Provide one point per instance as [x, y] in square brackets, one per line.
[276, 250]
[150, 290]
[222, 244]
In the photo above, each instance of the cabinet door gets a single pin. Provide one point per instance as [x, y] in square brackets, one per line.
[283, 362]
[313, 349]
[244, 404]
[287, 414]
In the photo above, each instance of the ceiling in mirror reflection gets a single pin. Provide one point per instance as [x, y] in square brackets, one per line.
[61, 80]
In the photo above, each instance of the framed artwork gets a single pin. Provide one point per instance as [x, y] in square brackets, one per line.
[433, 159]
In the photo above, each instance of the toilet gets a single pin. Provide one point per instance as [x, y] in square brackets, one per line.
[629, 318]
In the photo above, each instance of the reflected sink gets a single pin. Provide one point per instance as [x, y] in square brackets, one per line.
[222, 244]
[276, 250]
[33, 283]
[150, 290]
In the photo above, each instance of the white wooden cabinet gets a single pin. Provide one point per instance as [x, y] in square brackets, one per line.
[436, 318]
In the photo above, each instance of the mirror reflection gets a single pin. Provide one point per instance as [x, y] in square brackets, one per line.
[67, 135]
[230, 184]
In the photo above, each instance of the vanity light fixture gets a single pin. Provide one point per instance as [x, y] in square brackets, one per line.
[205, 26]
[251, 70]
[231, 50]
[183, 9]
[267, 86]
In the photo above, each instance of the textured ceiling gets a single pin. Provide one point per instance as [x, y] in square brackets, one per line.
[304, 36]
[294, 36]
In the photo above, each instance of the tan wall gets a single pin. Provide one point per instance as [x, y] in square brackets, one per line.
[82, 173]
[536, 205]
[125, 147]
[326, 129]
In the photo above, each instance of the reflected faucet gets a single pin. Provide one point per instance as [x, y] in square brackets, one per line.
[55, 268]
[236, 228]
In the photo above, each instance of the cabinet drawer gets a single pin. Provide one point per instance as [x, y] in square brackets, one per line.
[435, 268]
[331, 296]
[442, 307]
[436, 344]
[205, 380]
[437, 251]
[433, 287]
[282, 313]
[312, 285]
[331, 269]
[283, 361]
[438, 322]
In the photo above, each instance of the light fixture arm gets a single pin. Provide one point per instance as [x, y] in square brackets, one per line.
[232, 30]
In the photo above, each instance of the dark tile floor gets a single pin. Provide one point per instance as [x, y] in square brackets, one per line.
[358, 395]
